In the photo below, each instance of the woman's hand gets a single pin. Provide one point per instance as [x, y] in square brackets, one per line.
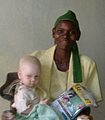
[84, 117]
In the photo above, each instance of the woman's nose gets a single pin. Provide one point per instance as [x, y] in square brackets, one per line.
[66, 35]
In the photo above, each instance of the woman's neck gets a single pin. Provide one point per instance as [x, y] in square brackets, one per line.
[61, 54]
[62, 58]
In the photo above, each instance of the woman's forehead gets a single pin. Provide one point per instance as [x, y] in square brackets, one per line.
[65, 23]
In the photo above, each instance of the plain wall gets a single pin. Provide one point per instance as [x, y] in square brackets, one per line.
[25, 26]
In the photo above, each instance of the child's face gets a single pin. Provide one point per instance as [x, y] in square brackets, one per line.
[29, 74]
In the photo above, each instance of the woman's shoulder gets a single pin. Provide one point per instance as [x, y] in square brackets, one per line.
[86, 59]
[40, 53]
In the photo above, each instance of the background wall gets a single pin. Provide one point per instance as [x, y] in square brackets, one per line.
[25, 25]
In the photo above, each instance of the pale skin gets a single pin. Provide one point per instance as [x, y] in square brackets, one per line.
[84, 117]
[29, 75]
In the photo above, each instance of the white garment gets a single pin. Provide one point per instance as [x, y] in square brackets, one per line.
[24, 98]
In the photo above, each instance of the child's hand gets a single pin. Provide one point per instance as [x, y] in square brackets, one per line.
[71, 85]
[84, 117]
[13, 105]
[44, 101]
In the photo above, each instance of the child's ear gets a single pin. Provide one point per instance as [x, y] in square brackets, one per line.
[19, 74]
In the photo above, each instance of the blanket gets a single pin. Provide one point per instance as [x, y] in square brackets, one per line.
[41, 112]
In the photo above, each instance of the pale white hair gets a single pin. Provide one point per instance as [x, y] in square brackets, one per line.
[29, 59]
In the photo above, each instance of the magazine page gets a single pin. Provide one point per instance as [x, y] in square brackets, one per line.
[73, 101]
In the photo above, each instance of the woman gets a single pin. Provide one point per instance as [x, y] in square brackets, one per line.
[62, 65]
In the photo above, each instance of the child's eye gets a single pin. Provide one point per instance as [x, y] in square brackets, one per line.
[28, 76]
[36, 76]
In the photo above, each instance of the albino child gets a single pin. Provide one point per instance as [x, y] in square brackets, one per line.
[26, 100]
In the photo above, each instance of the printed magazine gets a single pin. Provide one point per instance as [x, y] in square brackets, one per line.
[73, 101]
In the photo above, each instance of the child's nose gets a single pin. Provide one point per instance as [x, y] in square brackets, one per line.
[33, 79]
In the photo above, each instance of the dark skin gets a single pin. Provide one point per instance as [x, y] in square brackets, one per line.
[64, 34]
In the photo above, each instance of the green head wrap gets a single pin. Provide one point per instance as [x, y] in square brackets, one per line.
[69, 16]
[77, 71]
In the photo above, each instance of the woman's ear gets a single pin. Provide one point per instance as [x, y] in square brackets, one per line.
[78, 34]
[53, 32]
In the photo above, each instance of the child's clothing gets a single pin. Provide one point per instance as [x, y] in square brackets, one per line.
[24, 98]
[8, 115]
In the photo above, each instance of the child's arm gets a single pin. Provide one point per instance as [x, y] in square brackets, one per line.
[28, 110]
[20, 102]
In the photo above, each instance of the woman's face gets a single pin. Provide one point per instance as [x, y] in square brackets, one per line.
[64, 34]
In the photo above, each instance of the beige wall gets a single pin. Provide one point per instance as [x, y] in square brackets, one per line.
[25, 25]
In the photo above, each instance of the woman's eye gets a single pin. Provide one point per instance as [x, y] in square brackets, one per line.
[72, 32]
[60, 32]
